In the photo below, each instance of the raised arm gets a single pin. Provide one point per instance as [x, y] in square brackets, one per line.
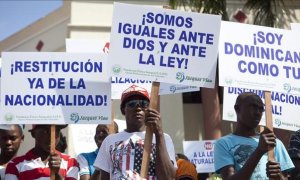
[164, 166]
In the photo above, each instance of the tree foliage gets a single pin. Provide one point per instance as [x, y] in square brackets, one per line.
[265, 11]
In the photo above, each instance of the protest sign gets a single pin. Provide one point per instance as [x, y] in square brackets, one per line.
[257, 57]
[284, 107]
[164, 45]
[295, 27]
[119, 84]
[82, 136]
[200, 153]
[54, 88]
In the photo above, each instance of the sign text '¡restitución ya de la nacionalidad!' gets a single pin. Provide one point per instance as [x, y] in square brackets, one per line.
[56, 83]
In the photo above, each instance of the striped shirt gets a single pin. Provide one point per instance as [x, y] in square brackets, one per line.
[30, 166]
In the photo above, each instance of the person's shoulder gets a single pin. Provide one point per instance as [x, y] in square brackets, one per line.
[18, 159]
[226, 138]
[115, 135]
[86, 153]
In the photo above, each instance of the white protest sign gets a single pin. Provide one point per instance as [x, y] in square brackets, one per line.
[200, 153]
[164, 45]
[166, 88]
[87, 45]
[295, 27]
[257, 57]
[54, 88]
[119, 84]
[284, 107]
[83, 136]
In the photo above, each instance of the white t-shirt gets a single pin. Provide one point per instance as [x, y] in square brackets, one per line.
[121, 155]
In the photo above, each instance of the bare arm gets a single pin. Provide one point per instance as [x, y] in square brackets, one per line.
[228, 172]
[164, 167]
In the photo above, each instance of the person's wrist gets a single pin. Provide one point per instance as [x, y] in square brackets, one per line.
[260, 151]
[281, 176]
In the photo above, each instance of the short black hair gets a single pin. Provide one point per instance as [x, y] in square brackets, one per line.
[243, 96]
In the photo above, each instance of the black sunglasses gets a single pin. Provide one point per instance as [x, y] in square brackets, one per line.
[134, 103]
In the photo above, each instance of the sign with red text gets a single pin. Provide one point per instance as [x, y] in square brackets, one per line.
[200, 153]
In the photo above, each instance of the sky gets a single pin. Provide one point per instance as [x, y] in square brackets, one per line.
[17, 14]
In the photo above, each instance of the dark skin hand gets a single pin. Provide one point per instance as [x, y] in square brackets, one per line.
[163, 162]
[274, 171]
[54, 162]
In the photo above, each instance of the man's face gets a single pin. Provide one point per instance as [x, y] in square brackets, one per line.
[42, 137]
[134, 109]
[102, 131]
[250, 111]
[10, 140]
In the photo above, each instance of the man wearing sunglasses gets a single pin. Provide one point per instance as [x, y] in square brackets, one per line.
[120, 155]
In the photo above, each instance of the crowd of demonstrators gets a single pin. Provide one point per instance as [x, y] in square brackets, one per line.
[294, 152]
[10, 141]
[39, 161]
[240, 155]
[243, 154]
[86, 160]
[120, 154]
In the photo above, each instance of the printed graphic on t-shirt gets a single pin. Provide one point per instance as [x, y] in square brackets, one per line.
[241, 154]
[127, 156]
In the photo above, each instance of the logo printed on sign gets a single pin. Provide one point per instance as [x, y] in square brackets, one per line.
[116, 69]
[74, 117]
[277, 122]
[287, 87]
[180, 76]
[173, 89]
[9, 117]
[230, 114]
[228, 81]
[208, 145]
